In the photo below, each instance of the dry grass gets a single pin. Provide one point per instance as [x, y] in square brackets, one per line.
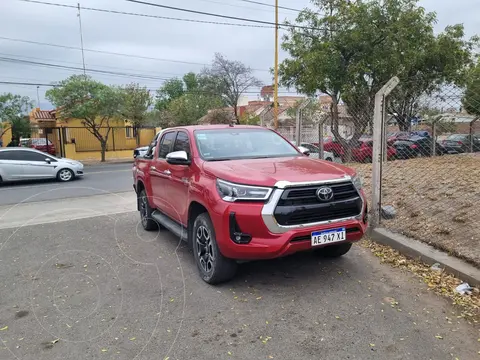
[437, 201]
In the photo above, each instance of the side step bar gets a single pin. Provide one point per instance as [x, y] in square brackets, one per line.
[173, 226]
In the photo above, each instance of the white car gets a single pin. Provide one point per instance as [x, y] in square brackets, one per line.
[314, 151]
[141, 151]
[19, 163]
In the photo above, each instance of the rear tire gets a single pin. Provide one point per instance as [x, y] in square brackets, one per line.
[214, 268]
[146, 211]
[65, 175]
[335, 251]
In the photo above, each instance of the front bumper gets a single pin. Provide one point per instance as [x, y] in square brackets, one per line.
[267, 240]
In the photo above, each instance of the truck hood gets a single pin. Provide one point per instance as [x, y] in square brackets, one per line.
[267, 172]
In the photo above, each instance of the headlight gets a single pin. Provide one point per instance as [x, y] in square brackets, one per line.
[74, 163]
[232, 192]
[357, 182]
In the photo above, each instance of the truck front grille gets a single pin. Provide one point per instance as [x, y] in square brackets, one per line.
[302, 206]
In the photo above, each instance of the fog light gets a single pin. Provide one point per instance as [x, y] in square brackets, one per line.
[235, 233]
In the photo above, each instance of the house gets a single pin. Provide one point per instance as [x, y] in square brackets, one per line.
[74, 135]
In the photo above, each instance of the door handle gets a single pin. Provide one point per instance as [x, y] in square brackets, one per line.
[167, 172]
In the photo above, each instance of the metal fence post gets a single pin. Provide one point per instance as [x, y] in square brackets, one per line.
[434, 138]
[378, 139]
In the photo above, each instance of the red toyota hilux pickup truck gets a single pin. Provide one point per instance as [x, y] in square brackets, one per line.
[237, 193]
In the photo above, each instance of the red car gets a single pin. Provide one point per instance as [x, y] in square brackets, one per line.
[362, 151]
[40, 144]
[238, 193]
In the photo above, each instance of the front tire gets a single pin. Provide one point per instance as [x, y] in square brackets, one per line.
[65, 175]
[335, 251]
[146, 211]
[213, 267]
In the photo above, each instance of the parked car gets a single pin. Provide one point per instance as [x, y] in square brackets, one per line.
[141, 151]
[460, 143]
[245, 193]
[314, 151]
[24, 142]
[417, 146]
[19, 163]
[362, 151]
[40, 144]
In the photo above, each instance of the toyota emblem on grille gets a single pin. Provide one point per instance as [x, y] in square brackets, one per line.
[324, 193]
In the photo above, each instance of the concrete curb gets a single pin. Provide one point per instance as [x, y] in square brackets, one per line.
[108, 162]
[428, 254]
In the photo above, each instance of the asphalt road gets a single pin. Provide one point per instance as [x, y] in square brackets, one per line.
[102, 288]
[98, 179]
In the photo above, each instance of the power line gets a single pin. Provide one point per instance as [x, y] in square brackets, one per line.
[109, 52]
[241, 6]
[54, 85]
[269, 5]
[217, 15]
[28, 62]
[145, 15]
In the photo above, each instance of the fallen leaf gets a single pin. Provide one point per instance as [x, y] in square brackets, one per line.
[229, 353]
[438, 337]
[266, 322]
[172, 300]
[104, 350]
[4, 328]
[258, 298]
[55, 341]
[337, 317]
[372, 345]
[133, 339]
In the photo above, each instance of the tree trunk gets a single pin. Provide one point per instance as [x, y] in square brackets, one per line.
[104, 149]
[403, 122]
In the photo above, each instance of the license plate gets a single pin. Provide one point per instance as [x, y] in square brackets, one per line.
[328, 236]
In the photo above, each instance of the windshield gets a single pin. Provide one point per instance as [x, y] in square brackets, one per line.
[225, 144]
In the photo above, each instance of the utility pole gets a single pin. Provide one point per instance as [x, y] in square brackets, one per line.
[38, 98]
[81, 38]
[275, 86]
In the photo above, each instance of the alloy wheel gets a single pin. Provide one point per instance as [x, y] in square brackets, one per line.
[204, 247]
[65, 175]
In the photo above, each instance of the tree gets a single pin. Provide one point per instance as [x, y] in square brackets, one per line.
[135, 102]
[250, 119]
[189, 108]
[471, 98]
[349, 50]
[13, 109]
[96, 104]
[174, 88]
[229, 79]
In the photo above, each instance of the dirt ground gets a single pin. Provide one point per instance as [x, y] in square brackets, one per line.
[436, 201]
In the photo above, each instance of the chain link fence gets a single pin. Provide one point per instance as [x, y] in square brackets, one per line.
[429, 160]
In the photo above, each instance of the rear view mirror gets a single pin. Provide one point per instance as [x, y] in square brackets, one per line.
[150, 149]
[178, 158]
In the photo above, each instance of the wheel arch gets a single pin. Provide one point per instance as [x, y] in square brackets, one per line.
[194, 209]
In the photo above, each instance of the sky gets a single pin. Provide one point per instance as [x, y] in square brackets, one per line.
[188, 46]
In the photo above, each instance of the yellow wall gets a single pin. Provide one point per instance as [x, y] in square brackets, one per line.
[95, 155]
[7, 137]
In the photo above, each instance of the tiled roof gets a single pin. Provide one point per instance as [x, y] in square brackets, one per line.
[44, 115]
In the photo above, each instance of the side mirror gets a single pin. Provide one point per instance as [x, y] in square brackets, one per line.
[178, 158]
[304, 150]
[152, 146]
[48, 161]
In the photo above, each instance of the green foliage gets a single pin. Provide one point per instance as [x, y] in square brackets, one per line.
[228, 79]
[135, 102]
[310, 113]
[471, 99]
[172, 89]
[81, 97]
[354, 48]
[433, 117]
[249, 119]
[13, 109]
[189, 108]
